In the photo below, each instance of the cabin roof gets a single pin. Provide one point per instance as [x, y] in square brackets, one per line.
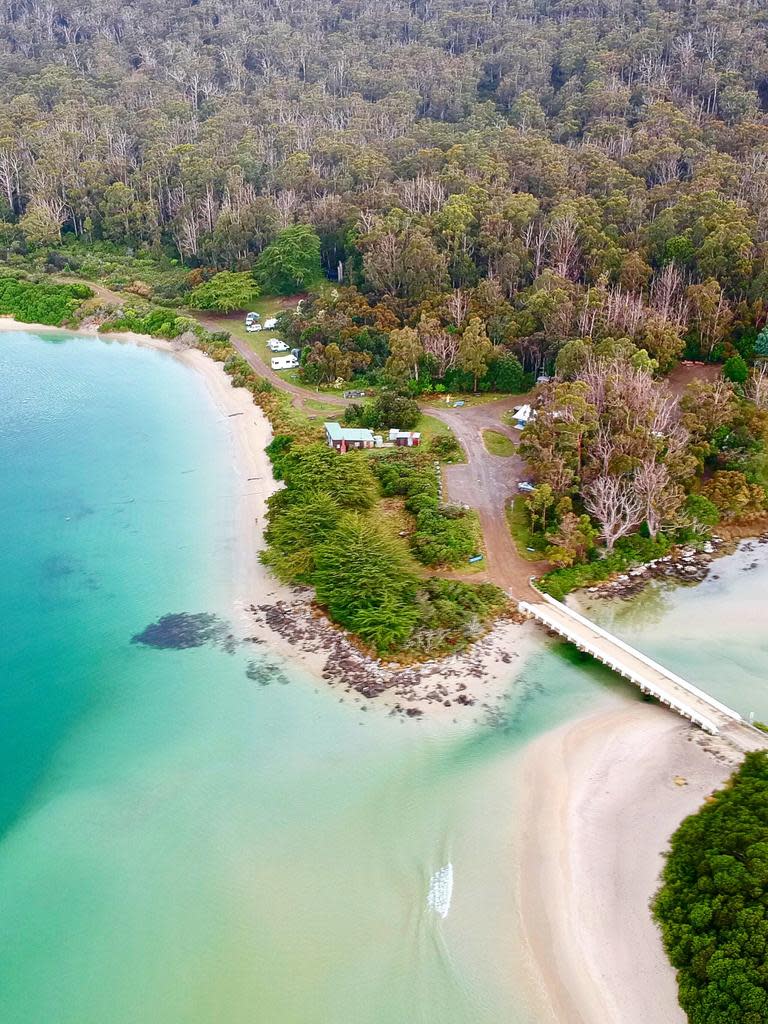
[338, 433]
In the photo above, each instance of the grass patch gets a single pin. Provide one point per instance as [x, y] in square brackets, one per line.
[395, 519]
[431, 426]
[530, 546]
[327, 408]
[498, 444]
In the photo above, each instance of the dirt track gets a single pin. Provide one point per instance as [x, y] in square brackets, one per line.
[487, 483]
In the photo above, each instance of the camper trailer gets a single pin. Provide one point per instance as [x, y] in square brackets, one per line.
[270, 323]
[289, 362]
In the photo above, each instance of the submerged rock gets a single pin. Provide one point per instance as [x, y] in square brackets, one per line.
[182, 630]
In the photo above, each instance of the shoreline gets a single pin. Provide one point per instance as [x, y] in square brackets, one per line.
[281, 618]
[592, 791]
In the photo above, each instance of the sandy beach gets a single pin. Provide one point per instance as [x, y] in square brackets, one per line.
[602, 795]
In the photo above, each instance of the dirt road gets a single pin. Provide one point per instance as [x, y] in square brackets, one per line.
[488, 483]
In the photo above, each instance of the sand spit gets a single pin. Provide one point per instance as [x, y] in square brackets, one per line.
[602, 796]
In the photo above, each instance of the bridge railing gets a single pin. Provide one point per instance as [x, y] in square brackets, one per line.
[671, 676]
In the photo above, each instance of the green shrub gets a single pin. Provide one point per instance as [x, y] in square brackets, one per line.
[294, 534]
[364, 580]
[736, 370]
[445, 448]
[388, 409]
[442, 539]
[629, 552]
[41, 303]
[276, 450]
[453, 613]
[155, 321]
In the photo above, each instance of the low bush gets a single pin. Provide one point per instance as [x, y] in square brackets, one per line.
[452, 614]
[277, 448]
[156, 321]
[34, 302]
[629, 552]
[444, 539]
[389, 409]
[445, 448]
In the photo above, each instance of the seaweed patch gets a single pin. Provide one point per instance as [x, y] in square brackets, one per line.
[183, 630]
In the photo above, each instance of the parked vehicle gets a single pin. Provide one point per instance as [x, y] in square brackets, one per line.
[526, 485]
[270, 323]
[252, 327]
[250, 317]
[289, 362]
[275, 345]
[354, 394]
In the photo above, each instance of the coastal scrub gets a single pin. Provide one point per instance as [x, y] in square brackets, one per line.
[41, 303]
[324, 530]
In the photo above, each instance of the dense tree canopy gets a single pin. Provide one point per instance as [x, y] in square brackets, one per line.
[713, 904]
[499, 178]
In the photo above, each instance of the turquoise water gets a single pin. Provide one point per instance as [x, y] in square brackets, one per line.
[180, 844]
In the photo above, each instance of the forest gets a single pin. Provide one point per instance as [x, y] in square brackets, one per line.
[713, 904]
[469, 195]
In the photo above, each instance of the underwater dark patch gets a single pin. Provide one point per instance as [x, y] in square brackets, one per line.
[265, 672]
[181, 631]
[58, 567]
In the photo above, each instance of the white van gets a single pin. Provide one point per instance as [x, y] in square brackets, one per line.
[275, 345]
[289, 362]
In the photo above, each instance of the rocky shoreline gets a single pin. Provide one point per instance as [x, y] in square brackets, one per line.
[457, 681]
[684, 565]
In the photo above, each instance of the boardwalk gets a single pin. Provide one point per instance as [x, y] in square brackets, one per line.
[683, 697]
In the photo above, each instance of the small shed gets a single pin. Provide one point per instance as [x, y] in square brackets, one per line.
[404, 438]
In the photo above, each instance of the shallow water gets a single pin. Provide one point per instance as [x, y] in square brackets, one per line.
[713, 634]
[203, 834]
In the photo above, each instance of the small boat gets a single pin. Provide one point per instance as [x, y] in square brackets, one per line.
[441, 890]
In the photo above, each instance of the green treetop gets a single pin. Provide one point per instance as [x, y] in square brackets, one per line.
[292, 262]
[225, 292]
